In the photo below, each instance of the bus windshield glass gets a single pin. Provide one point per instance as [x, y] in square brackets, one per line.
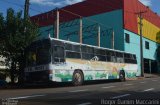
[38, 54]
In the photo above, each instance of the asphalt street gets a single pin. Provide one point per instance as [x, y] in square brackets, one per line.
[141, 91]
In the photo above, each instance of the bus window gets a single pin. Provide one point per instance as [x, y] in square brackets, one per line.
[127, 56]
[130, 58]
[134, 57]
[38, 53]
[101, 58]
[100, 53]
[58, 54]
[113, 56]
[134, 60]
[108, 58]
[72, 47]
[87, 49]
[87, 52]
[87, 56]
[58, 43]
[120, 58]
[43, 56]
[68, 46]
[76, 48]
[113, 59]
[119, 54]
[70, 54]
[84, 48]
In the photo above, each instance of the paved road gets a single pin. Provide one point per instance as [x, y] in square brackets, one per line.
[130, 92]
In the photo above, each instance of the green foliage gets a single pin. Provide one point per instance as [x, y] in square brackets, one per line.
[16, 34]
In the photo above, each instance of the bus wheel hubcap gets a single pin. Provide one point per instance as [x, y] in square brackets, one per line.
[77, 78]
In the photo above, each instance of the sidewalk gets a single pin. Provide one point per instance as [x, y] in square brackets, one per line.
[147, 75]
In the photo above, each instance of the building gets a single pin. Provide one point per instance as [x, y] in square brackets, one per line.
[120, 16]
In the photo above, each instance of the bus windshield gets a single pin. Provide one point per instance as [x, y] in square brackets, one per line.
[43, 56]
[38, 54]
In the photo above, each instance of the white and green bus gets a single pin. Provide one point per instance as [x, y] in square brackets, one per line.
[55, 60]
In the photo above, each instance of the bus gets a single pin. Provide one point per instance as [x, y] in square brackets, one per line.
[56, 60]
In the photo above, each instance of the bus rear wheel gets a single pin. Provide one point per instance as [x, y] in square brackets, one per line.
[78, 78]
[122, 76]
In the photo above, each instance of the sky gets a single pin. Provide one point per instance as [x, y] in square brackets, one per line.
[41, 6]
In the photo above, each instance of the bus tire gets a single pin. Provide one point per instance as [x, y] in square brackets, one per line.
[122, 76]
[77, 78]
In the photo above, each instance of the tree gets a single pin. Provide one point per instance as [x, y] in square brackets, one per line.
[16, 34]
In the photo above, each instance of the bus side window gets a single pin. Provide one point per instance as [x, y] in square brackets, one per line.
[108, 56]
[129, 58]
[134, 59]
[58, 54]
[113, 56]
[87, 52]
[126, 58]
[100, 53]
[120, 58]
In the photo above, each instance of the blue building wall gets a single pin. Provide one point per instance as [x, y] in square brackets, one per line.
[113, 19]
[134, 47]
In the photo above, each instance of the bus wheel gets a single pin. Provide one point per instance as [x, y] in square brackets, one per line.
[122, 76]
[77, 78]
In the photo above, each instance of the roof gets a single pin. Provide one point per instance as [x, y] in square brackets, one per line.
[84, 9]
[94, 7]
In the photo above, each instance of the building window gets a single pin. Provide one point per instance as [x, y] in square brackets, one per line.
[127, 38]
[146, 45]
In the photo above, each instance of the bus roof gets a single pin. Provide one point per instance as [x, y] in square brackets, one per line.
[76, 43]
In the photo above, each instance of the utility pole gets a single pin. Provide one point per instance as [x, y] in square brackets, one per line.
[80, 30]
[99, 36]
[112, 43]
[26, 9]
[141, 40]
[57, 24]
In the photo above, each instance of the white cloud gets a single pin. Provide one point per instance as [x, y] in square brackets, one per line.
[57, 3]
[146, 2]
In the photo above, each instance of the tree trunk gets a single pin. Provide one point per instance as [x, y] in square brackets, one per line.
[21, 69]
[12, 71]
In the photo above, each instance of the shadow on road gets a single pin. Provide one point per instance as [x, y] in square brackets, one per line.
[56, 85]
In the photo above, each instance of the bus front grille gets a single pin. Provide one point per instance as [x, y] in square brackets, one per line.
[39, 76]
